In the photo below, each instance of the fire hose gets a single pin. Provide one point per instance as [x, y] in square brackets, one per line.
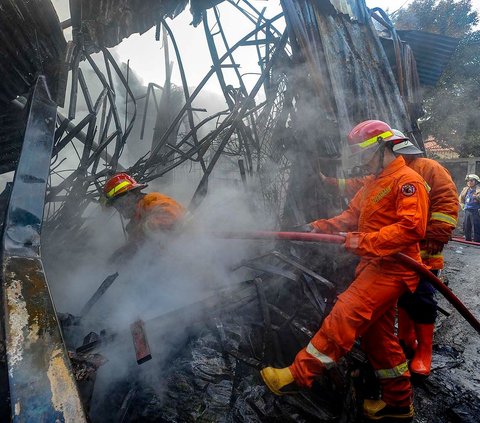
[463, 241]
[339, 239]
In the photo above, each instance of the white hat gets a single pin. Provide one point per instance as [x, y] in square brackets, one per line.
[472, 176]
[402, 144]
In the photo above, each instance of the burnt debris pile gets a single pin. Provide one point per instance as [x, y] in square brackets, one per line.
[212, 374]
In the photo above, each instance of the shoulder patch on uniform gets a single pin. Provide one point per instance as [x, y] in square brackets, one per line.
[408, 190]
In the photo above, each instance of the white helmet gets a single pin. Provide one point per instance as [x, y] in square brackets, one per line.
[472, 176]
[402, 144]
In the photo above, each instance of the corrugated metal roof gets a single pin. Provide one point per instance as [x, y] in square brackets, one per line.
[432, 53]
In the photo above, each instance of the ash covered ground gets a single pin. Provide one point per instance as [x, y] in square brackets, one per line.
[207, 377]
[452, 391]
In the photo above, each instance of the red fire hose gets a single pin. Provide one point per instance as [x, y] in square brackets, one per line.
[463, 241]
[290, 236]
[444, 290]
[339, 239]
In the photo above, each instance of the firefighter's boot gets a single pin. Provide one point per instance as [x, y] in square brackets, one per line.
[422, 360]
[379, 410]
[406, 333]
[276, 379]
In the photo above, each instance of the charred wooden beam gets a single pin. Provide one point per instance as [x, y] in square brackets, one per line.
[140, 342]
[98, 293]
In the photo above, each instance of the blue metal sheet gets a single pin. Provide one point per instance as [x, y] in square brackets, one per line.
[432, 53]
[41, 383]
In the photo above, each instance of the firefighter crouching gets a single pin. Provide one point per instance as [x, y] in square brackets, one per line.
[146, 213]
[388, 215]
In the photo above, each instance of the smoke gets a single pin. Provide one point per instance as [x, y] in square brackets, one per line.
[169, 272]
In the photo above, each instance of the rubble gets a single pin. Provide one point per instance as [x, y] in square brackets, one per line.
[214, 375]
[452, 391]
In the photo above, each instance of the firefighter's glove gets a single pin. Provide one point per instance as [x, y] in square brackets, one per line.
[433, 246]
[352, 241]
[319, 226]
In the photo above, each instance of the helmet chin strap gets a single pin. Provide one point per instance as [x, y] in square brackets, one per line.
[381, 156]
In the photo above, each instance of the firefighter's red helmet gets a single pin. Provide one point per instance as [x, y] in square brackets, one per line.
[119, 184]
[366, 137]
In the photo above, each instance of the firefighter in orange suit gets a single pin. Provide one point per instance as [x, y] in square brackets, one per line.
[147, 213]
[388, 215]
[418, 311]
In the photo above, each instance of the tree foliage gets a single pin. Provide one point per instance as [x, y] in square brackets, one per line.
[445, 17]
[452, 107]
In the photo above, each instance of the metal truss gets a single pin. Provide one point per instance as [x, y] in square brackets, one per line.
[95, 141]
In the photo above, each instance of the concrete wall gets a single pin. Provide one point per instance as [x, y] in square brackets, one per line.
[458, 168]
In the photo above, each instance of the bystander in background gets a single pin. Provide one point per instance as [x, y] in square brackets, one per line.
[470, 202]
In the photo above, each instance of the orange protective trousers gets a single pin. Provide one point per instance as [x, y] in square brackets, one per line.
[372, 319]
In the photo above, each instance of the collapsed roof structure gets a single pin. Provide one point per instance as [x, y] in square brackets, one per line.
[320, 74]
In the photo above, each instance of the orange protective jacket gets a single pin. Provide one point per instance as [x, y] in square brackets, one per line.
[388, 215]
[443, 202]
[156, 212]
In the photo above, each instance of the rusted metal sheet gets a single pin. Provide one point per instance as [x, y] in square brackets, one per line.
[357, 82]
[41, 383]
[341, 77]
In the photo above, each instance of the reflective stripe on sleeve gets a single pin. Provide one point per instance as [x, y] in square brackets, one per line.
[118, 188]
[341, 185]
[442, 217]
[324, 359]
[396, 371]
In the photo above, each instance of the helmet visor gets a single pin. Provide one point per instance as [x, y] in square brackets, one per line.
[363, 156]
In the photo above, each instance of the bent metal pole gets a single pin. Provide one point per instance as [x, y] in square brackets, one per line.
[339, 239]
